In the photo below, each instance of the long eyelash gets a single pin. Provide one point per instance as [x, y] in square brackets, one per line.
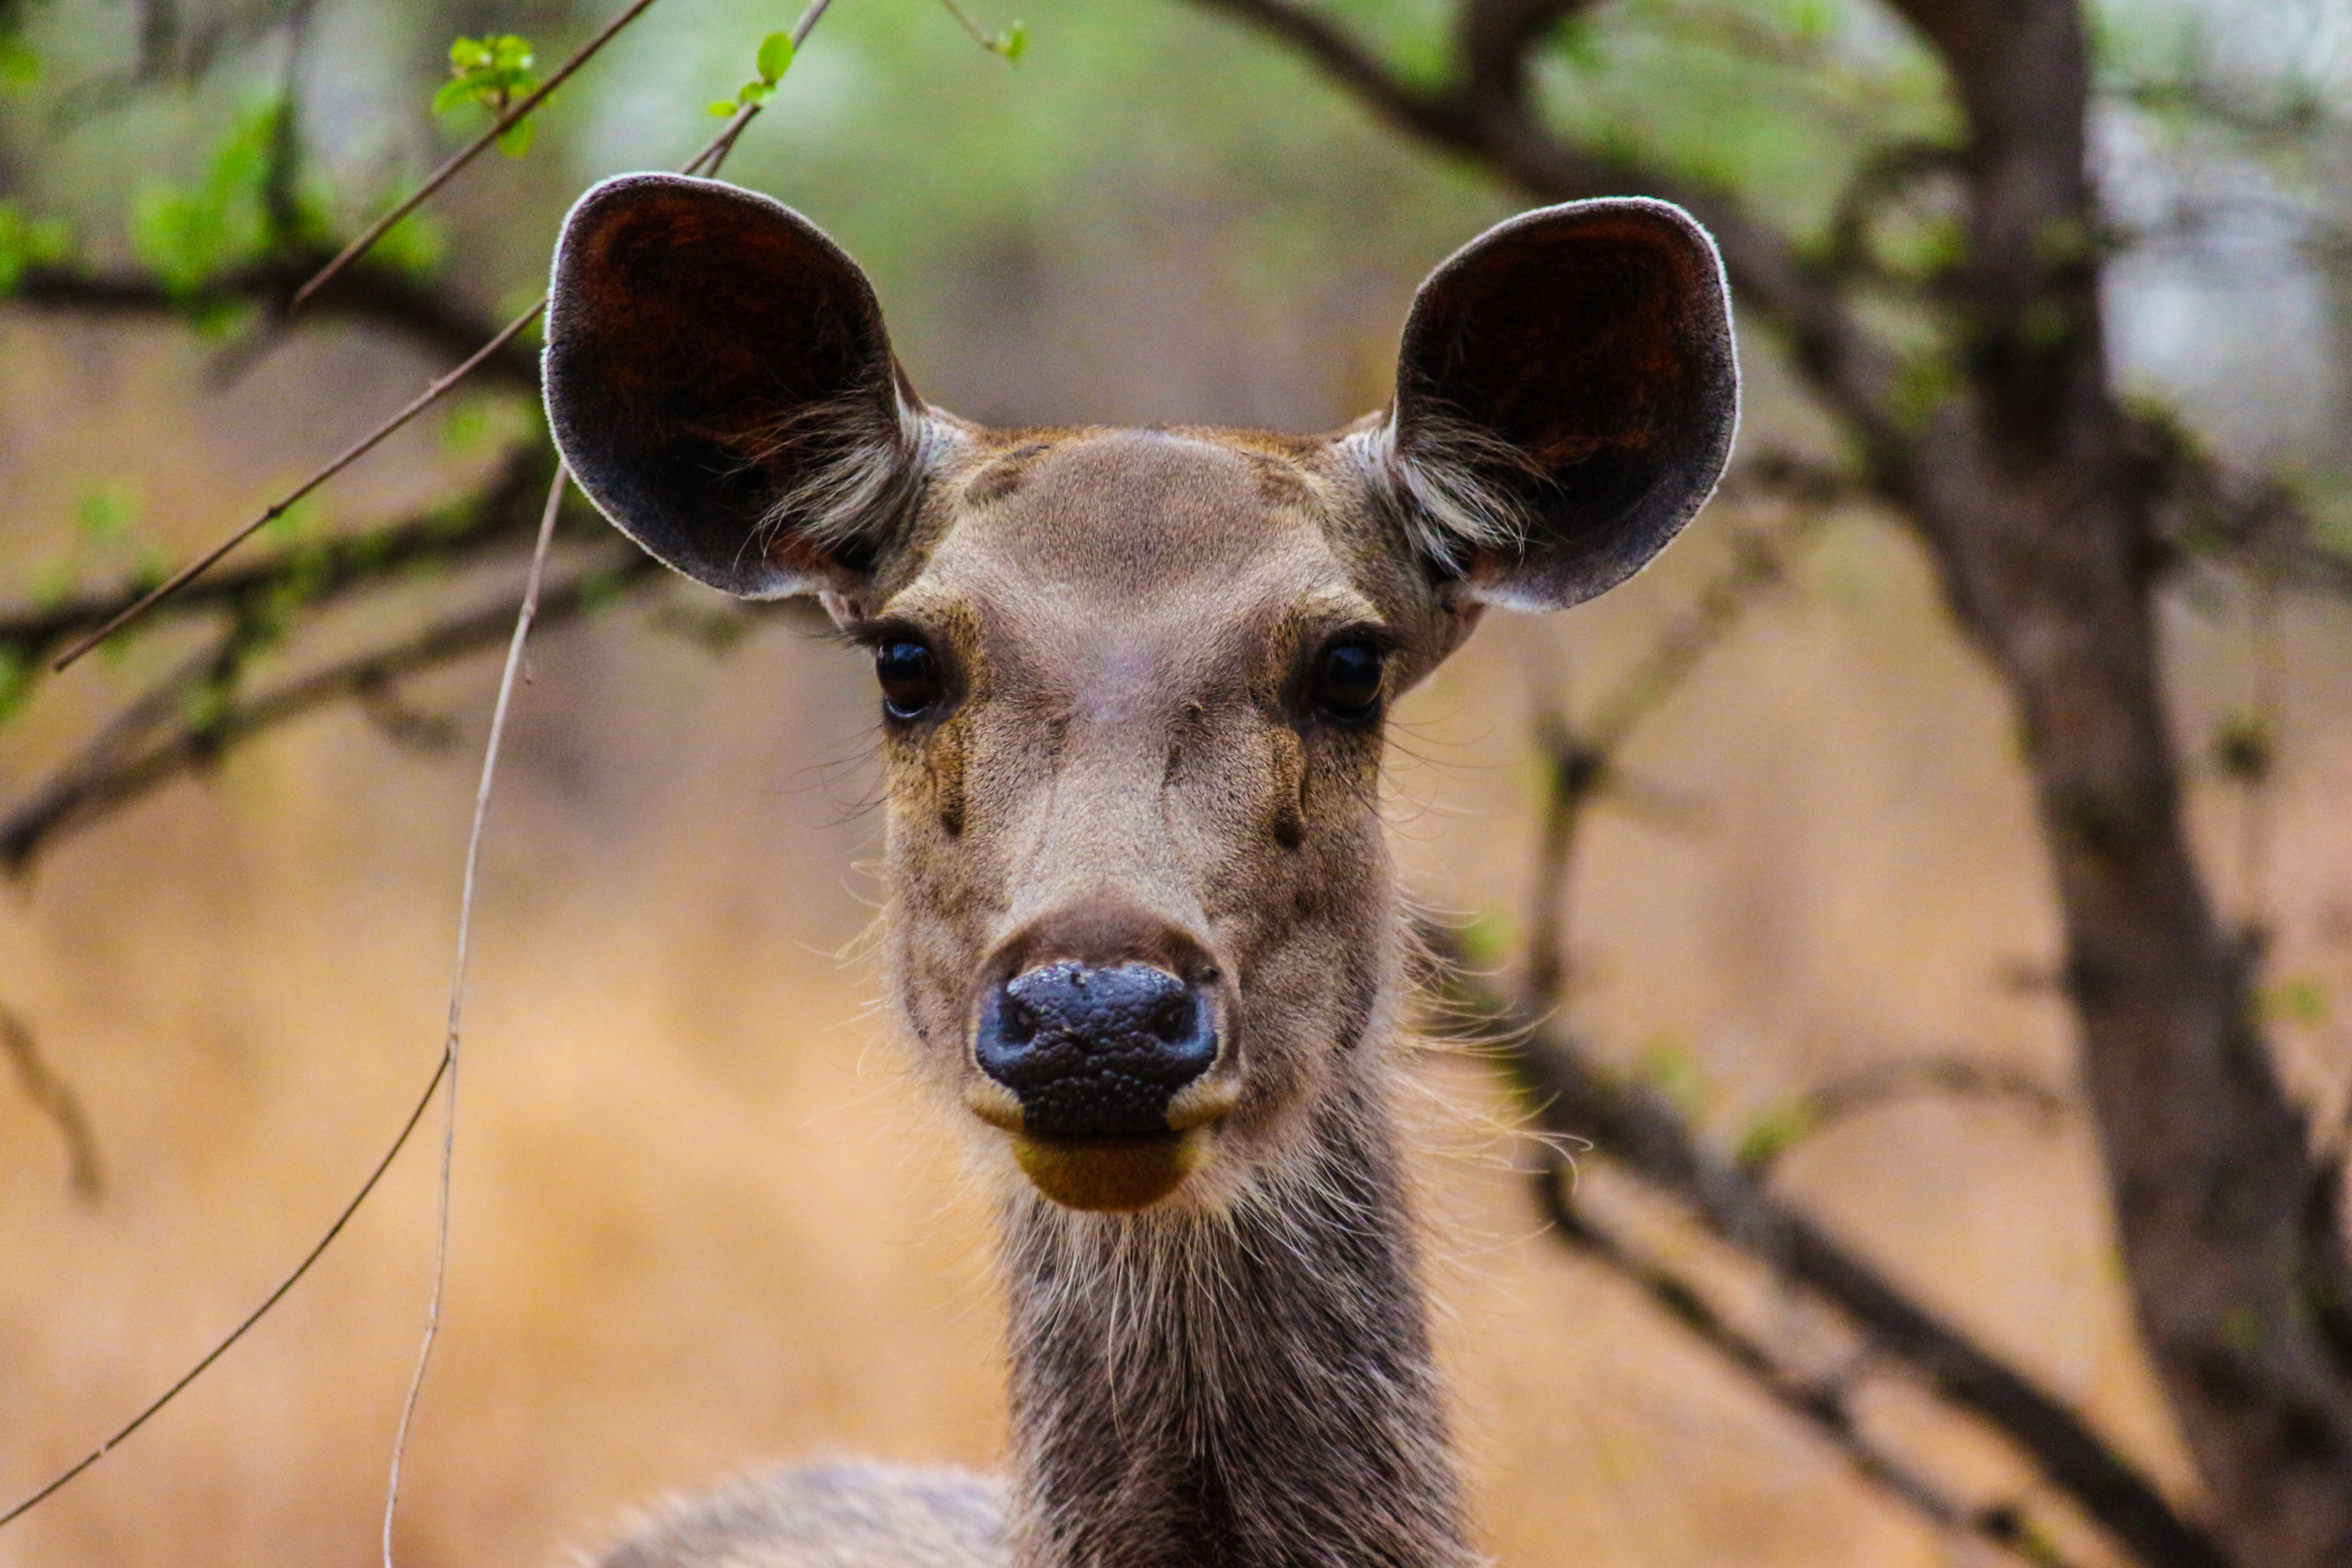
[871, 634]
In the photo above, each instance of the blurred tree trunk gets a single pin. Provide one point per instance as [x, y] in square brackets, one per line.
[2039, 514]
[2038, 501]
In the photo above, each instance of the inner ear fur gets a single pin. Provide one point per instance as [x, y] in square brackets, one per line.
[1567, 396]
[721, 384]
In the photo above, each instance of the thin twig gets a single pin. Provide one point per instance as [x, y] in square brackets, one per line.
[458, 160]
[1581, 758]
[1884, 1083]
[54, 1098]
[320, 570]
[343, 1219]
[194, 569]
[710, 157]
[1821, 1403]
[523, 619]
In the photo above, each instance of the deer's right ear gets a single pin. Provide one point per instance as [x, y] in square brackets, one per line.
[720, 383]
[1565, 399]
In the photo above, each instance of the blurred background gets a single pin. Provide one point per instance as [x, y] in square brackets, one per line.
[698, 1224]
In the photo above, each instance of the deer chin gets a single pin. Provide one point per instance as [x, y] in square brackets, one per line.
[1111, 1175]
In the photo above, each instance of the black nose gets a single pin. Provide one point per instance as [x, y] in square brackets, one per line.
[1095, 1053]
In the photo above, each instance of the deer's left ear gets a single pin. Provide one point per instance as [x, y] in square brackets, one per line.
[1566, 400]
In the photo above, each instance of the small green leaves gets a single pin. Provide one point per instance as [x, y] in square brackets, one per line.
[19, 66]
[2299, 999]
[1010, 43]
[493, 71]
[29, 242]
[1774, 1128]
[775, 58]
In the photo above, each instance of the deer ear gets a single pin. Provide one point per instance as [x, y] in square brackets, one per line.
[720, 383]
[1566, 400]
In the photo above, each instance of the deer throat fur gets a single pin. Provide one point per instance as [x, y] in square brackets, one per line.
[1240, 1387]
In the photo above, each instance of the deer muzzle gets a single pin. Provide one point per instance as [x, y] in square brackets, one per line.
[1103, 1075]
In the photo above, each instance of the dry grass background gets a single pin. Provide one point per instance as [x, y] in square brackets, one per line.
[699, 1224]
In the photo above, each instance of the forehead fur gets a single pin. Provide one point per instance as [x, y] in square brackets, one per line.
[1122, 527]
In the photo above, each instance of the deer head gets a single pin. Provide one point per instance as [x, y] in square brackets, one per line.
[1139, 914]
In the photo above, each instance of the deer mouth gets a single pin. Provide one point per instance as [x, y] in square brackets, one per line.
[1117, 1173]
[1109, 1176]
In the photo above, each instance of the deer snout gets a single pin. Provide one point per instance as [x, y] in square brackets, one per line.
[1101, 1047]
[1097, 1052]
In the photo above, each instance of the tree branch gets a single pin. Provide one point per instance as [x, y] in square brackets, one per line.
[372, 295]
[117, 769]
[1568, 1096]
[314, 573]
[1855, 376]
[54, 1098]
[1821, 1403]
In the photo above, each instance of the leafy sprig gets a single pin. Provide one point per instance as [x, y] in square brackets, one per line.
[1008, 43]
[494, 71]
[775, 58]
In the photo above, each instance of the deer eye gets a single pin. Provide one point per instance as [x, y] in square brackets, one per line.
[909, 677]
[1346, 684]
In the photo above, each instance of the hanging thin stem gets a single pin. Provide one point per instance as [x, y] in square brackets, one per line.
[447, 1073]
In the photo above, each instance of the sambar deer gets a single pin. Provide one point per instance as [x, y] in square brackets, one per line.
[1139, 921]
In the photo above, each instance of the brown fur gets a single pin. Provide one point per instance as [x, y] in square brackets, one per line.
[1228, 1364]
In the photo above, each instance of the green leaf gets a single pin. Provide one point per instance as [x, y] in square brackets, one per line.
[104, 515]
[722, 107]
[29, 242]
[465, 89]
[775, 56]
[2300, 1000]
[1670, 1068]
[755, 92]
[516, 139]
[1014, 40]
[468, 54]
[19, 66]
[1770, 1134]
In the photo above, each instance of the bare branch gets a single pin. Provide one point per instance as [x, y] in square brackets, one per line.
[1881, 1084]
[1569, 1095]
[1821, 1403]
[116, 770]
[291, 1280]
[352, 454]
[319, 571]
[54, 1099]
[376, 296]
[1853, 376]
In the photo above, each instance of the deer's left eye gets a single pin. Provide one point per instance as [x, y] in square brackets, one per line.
[1347, 683]
[909, 674]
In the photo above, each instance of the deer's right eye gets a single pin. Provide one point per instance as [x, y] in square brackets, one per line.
[909, 676]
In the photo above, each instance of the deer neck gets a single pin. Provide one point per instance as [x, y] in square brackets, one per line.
[1243, 1389]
